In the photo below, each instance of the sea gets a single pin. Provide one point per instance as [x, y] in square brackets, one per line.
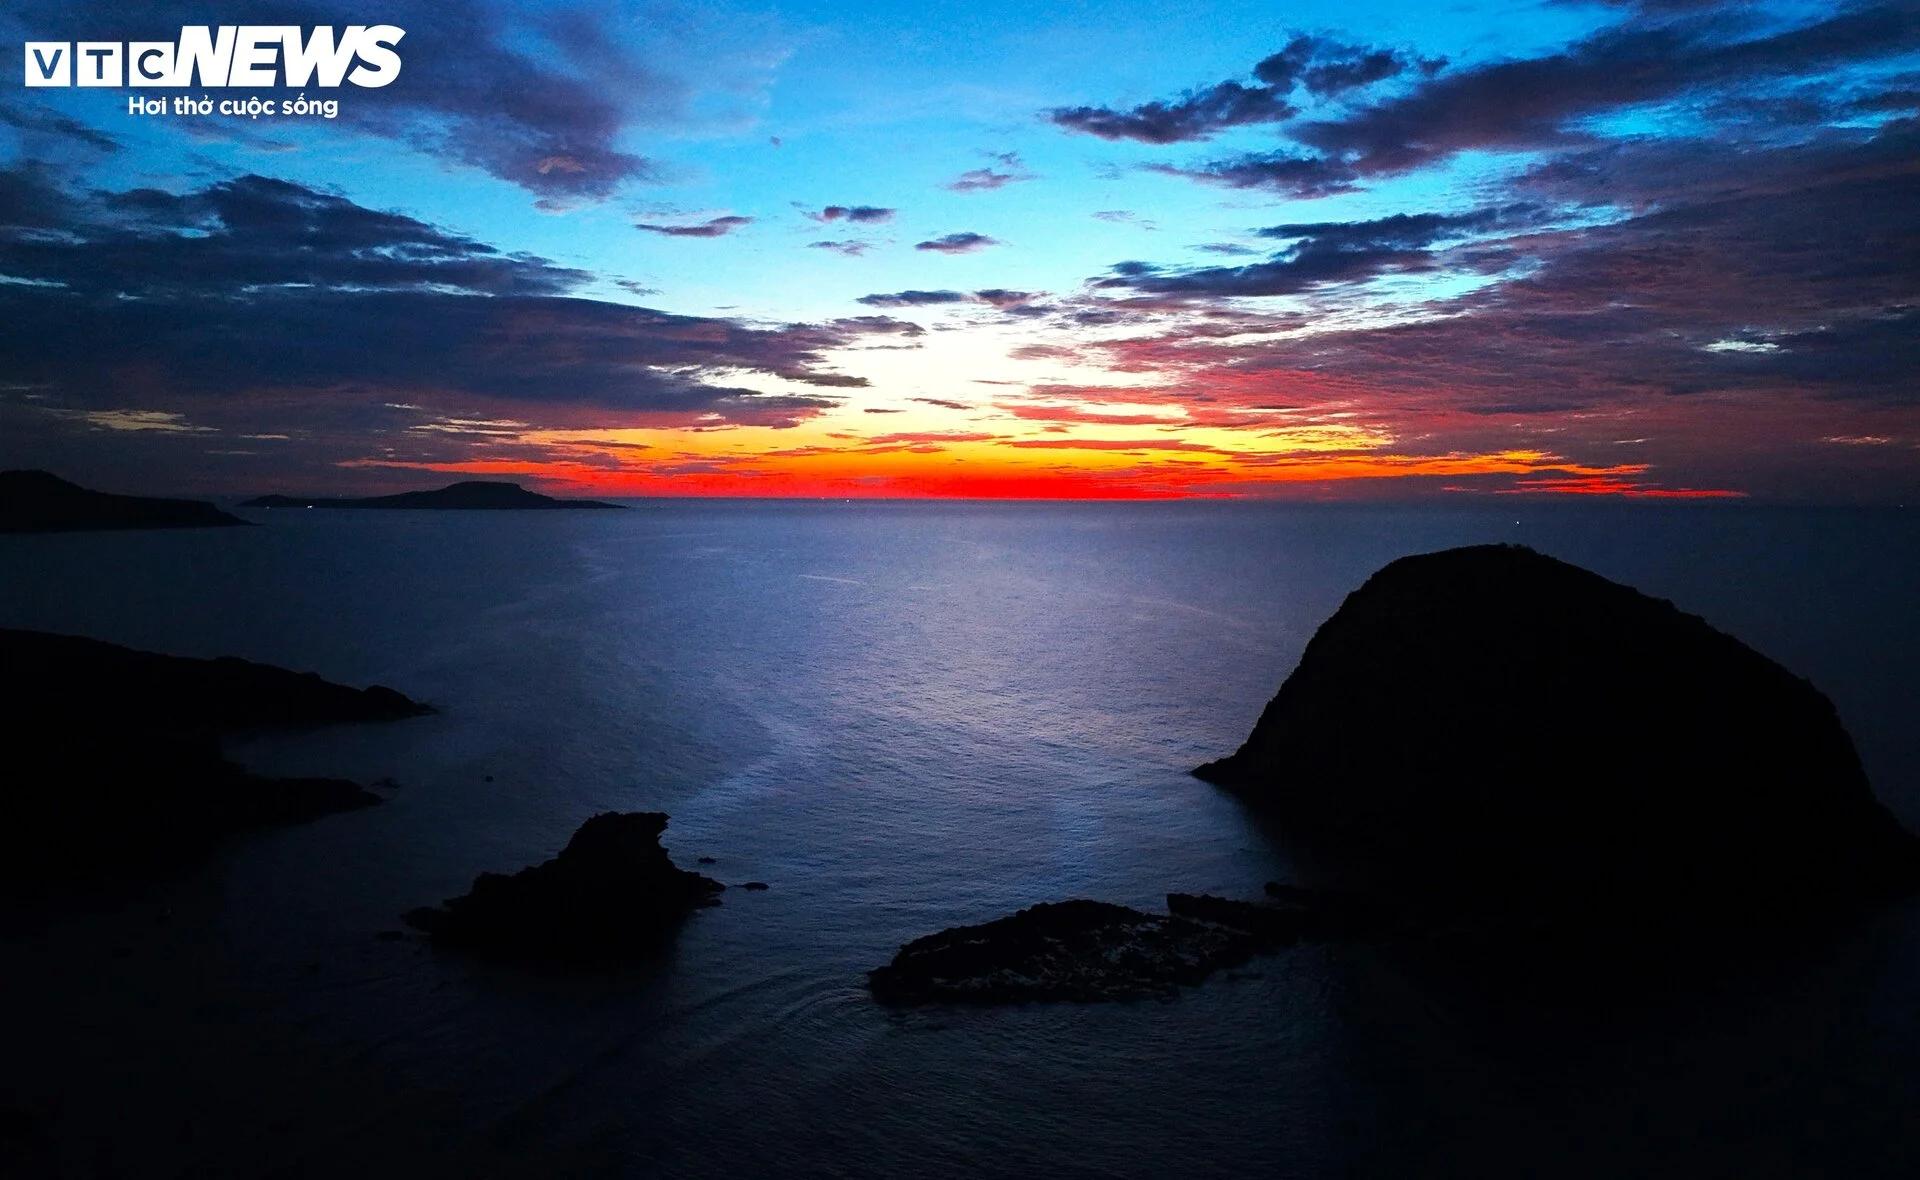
[904, 717]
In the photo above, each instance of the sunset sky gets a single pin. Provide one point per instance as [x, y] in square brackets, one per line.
[1313, 250]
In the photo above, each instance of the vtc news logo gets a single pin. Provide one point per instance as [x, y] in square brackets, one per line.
[225, 55]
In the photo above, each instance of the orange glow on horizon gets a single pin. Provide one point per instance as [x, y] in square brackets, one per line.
[1061, 469]
[1228, 435]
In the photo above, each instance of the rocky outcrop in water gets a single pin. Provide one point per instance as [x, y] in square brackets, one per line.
[1494, 722]
[611, 894]
[114, 760]
[1093, 950]
[40, 502]
[473, 494]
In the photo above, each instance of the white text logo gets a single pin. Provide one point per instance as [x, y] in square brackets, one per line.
[225, 55]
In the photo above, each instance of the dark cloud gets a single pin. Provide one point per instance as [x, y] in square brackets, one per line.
[965, 242]
[712, 227]
[978, 180]
[857, 214]
[442, 349]
[1327, 68]
[913, 298]
[999, 297]
[941, 402]
[848, 246]
[1359, 69]
[1716, 57]
[38, 124]
[1733, 307]
[1287, 172]
[1537, 102]
[1404, 231]
[1653, 6]
[246, 233]
[1325, 253]
[1288, 274]
[264, 307]
[1323, 67]
[1197, 114]
[1647, 174]
[31, 198]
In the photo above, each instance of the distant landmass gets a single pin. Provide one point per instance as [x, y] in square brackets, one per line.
[40, 502]
[113, 756]
[476, 494]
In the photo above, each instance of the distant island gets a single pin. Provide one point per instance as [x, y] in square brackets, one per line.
[470, 495]
[114, 761]
[41, 502]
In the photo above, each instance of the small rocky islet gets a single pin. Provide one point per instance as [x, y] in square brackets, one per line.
[1085, 951]
[612, 894]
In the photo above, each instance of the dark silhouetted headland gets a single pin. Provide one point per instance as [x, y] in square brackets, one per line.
[474, 494]
[114, 761]
[67, 676]
[40, 502]
[611, 894]
[1495, 721]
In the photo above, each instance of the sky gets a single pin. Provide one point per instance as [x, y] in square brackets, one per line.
[1406, 250]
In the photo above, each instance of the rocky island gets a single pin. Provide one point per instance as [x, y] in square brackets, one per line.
[612, 894]
[1495, 725]
[115, 762]
[1088, 951]
[40, 502]
[472, 495]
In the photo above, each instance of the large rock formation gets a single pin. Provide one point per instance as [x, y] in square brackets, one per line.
[114, 762]
[1494, 721]
[39, 502]
[473, 494]
[611, 894]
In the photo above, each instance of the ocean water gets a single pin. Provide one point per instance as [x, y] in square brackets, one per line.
[903, 717]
